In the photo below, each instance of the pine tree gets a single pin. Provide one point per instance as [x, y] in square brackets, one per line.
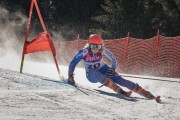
[170, 20]
[141, 18]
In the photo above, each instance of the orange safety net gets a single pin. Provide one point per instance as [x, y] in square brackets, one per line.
[157, 56]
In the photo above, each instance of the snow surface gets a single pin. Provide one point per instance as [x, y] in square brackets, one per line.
[38, 94]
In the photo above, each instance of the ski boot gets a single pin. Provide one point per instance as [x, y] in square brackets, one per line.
[139, 90]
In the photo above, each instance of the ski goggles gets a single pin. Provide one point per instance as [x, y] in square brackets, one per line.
[94, 46]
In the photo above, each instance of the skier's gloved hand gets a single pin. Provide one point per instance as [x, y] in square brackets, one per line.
[110, 72]
[71, 80]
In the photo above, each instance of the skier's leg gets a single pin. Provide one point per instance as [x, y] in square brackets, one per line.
[139, 90]
[109, 83]
[132, 86]
[123, 82]
[117, 78]
[95, 76]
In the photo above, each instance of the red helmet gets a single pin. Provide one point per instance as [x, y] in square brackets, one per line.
[95, 39]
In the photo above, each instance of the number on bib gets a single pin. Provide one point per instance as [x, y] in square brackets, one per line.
[95, 66]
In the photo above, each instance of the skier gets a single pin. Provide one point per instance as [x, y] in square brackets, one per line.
[98, 71]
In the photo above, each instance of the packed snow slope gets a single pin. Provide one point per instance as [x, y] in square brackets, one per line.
[33, 95]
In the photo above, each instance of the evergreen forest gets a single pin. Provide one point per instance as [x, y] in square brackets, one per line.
[111, 18]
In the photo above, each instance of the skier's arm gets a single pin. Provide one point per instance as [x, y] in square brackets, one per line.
[110, 57]
[74, 62]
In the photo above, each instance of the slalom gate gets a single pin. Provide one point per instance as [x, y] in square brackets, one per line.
[41, 42]
[156, 56]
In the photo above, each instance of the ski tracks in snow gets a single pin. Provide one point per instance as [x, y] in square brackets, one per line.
[26, 96]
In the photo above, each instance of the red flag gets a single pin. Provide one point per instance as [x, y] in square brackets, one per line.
[39, 43]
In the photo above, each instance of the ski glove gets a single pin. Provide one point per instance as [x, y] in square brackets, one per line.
[110, 72]
[71, 80]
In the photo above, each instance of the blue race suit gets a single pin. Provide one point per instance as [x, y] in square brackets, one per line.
[96, 68]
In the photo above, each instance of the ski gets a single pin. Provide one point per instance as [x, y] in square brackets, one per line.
[126, 94]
